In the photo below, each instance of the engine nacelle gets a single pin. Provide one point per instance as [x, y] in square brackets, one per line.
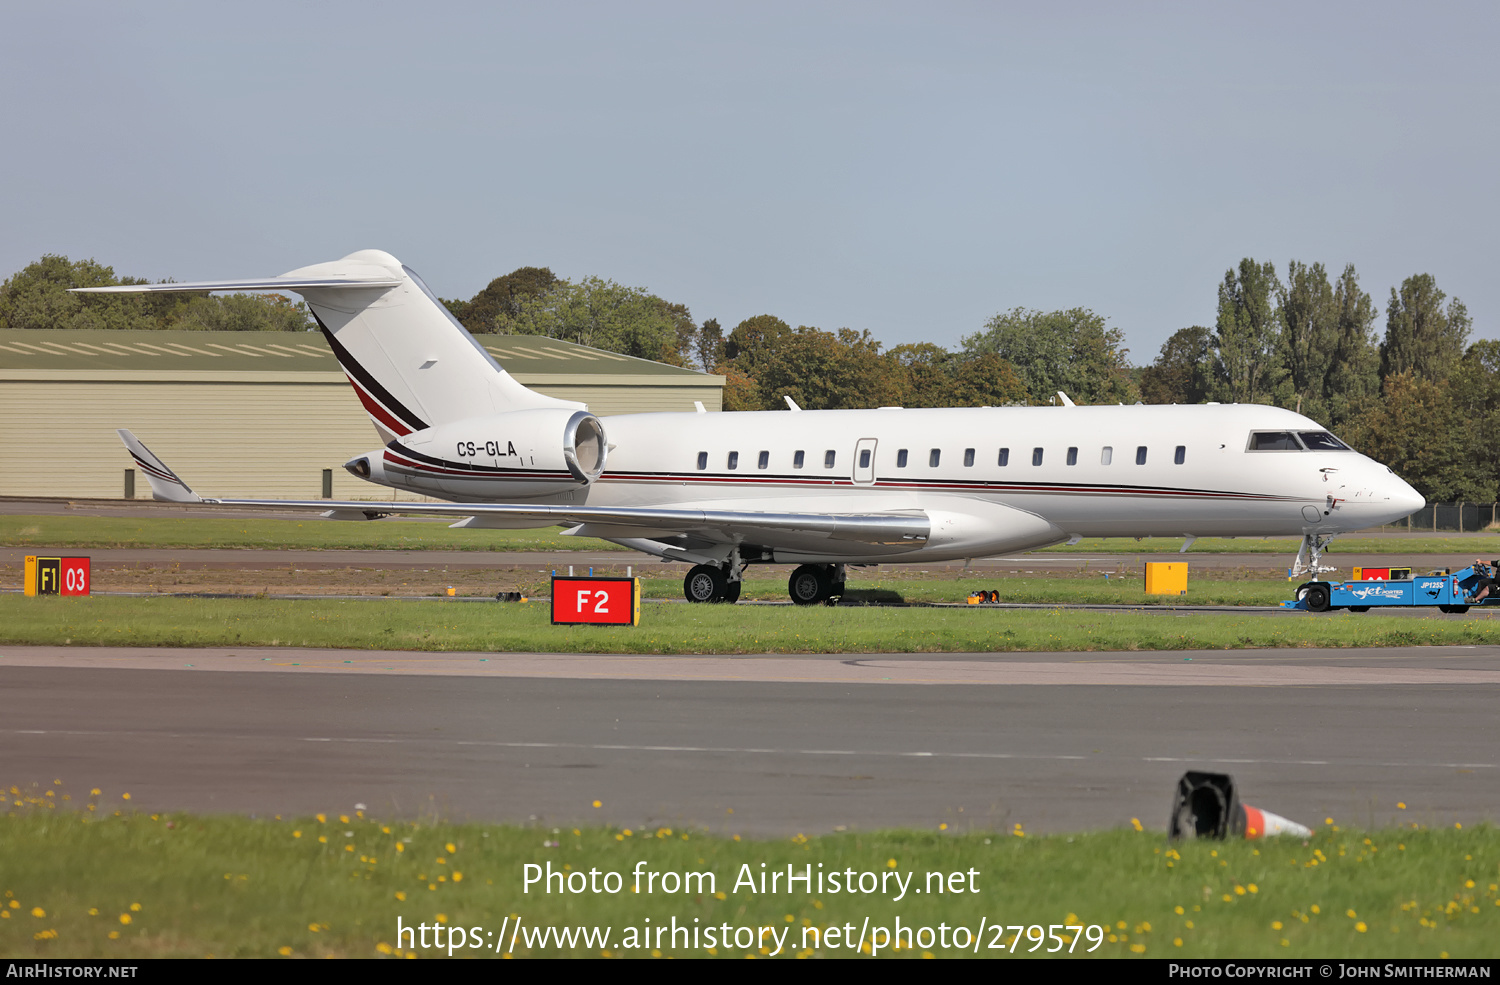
[501, 457]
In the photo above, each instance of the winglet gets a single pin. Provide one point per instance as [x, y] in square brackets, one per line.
[164, 482]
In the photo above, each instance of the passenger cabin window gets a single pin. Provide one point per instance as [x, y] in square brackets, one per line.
[797, 460]
[1140, 455]
[864, 458]
[968, 458]
[734, 459]
[764, 460]
[1036, 456]
[1004, 457]
[1180, 455]
[1072, 456]
[702, 460]
[933, 457]
[901, 459]
[828, 459]
[1106, 455]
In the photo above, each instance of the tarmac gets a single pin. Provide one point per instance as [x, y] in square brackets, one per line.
[763, 745]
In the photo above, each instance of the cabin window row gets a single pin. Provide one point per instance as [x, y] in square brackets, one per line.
[1038, 455]
[935, 457]
[763, 460]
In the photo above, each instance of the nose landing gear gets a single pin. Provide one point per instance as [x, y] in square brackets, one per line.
[1310, 556]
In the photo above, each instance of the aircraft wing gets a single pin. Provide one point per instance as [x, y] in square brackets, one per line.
[897, 530]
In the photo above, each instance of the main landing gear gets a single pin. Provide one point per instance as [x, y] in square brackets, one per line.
[813, 583]
[809, 584]
[708, 583]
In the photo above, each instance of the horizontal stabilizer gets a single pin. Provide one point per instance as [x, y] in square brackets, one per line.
[254, 284]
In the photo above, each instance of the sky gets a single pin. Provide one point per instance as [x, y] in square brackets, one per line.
[907, 169]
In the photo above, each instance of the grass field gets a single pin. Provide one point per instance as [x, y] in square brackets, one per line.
[397, 624]
[395, 534]
[93, 879]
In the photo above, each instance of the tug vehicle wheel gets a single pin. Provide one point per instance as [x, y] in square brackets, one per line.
[1317, 598]
[1456, 609]
[1359, 608]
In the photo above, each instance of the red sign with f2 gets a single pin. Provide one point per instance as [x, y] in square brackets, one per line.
[596, 601]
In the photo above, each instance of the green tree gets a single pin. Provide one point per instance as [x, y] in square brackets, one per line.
[710, 345]
[741, 392]
[37, 297]
[926, 374]
[1474, 389]
[1071, 350]
[242, 313]
[826, 371]
[502, 298]
[817, 369]
[1180, 374]
[985, 380]
[1353, 378]
[1420, 335]
[1307, 338]
[1246, 334]
[1418, 429]
[603, 314]
[748, 352]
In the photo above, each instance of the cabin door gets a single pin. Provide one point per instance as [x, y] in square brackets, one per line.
[864, 462]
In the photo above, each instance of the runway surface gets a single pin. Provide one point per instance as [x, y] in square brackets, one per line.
[786, 743]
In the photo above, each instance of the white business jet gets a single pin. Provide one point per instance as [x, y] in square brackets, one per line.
[819, 489]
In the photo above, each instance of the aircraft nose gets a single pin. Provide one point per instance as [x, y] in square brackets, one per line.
[1404, 499]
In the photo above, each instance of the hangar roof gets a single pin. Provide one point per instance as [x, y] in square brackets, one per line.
[259, 352]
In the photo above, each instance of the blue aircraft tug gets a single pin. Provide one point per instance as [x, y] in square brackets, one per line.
[1449, 591]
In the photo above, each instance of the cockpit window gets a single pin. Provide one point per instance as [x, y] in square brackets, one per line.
[1295, 441]
[1274, 441]
[1321, 441]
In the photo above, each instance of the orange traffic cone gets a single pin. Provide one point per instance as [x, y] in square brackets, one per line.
[1264, 824]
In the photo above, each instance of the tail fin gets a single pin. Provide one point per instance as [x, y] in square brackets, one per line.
[411, 363]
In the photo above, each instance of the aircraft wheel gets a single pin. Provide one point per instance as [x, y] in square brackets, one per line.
[732, 591]
[705, 583]
[808, 584]
[1359, 608]
[1317, 598]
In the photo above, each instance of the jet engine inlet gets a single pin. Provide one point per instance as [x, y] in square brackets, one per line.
[584, 447]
